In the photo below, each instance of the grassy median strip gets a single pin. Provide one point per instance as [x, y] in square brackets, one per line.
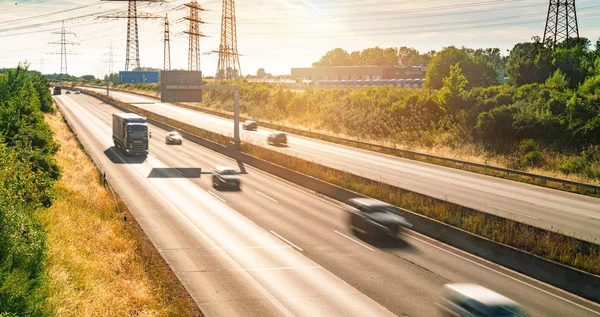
[96, 265]
[390, 151]
[550, 245]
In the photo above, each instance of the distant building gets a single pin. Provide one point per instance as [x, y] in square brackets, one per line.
[358, 73]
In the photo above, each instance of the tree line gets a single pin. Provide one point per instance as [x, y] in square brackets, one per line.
[28, 171]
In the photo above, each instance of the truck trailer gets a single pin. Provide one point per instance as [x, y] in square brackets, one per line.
[130, 133]
[57, 90]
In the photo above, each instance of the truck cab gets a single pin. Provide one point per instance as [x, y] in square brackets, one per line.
[130, 133]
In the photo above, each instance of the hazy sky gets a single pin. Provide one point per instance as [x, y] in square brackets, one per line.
[274, 34]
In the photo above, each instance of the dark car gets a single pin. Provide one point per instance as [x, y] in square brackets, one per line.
[277, 138]
[250, 125]
[373, 217]
[173, 138]
[226, 177]
[77, 92]
[68, 92]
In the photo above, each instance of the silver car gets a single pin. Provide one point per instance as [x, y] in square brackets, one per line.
[470, 300]
[173, 138]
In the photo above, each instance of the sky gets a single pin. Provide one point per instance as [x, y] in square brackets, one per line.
[272, 34]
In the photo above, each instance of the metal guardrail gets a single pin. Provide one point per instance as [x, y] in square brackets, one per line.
[396, 151]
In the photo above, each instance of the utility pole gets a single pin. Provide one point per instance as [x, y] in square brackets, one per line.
[167, 40]
[132, 60]
[63, 47]
[561, 24]
[194, 34]
[228, 67]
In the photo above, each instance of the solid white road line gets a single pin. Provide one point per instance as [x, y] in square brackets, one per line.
[184, 154]
[503, 274]
[353, 240]
[256, 247]
[216, 196]
[512, 212]
[284, 268]
[267, 197]
[286, 241]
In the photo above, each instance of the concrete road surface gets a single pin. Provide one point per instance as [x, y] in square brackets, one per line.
[568, 213]
[276, 249]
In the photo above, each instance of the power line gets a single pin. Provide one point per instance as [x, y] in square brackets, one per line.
[561, 23]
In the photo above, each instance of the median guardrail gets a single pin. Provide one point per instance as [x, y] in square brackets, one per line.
[562, 276]
[564, 184]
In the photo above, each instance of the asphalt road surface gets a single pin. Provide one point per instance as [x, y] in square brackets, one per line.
[276, 249]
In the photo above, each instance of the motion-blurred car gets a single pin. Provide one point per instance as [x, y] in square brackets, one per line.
[226, 177]
[250, 125]
[68, 92]
[373, 217]
[77, 92]
[173, 138]
[277, 138]
[470, 300]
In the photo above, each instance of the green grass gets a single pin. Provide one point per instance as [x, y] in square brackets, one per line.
[550, 245]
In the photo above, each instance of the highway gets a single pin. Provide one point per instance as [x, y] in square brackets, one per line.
[568, 213]
[275, 249]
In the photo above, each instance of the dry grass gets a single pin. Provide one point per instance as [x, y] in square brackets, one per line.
[96, 266]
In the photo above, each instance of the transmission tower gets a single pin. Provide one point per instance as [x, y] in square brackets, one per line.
[195, 35]
[561, 23]
[63, 47]
[167, 53]
[132, 60]
[228, 67]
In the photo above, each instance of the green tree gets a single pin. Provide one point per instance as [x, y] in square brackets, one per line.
[478, 72]
[452, 94]
[335, 57]
[529, 63]
[574, 60]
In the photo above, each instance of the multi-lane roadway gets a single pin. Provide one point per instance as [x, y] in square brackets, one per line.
[276, 249]
[568, 213]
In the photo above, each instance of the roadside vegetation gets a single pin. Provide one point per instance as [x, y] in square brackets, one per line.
[550, 245]
[545, 119]
[97, 265]
[28, 171]
[63, 249]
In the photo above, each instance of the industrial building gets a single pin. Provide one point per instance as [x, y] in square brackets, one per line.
[358, 73]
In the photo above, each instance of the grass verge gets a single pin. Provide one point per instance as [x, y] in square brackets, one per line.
[96, 265]
[546, 244]
[417, 156]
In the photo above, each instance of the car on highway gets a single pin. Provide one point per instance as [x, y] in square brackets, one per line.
[226, 177]
[173, 137]
[470, 300]
[250, 125]
[277, 138]
[77, 92]
[68, 92]
[375, 218]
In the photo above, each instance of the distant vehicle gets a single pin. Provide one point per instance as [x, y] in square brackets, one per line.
[57, 90]
[130, 133]
[470, 300]
[77, 92]
[68, 92]
[250, 125]
[277, 138]
[173, 138]
[226, 177]
[373, 217]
